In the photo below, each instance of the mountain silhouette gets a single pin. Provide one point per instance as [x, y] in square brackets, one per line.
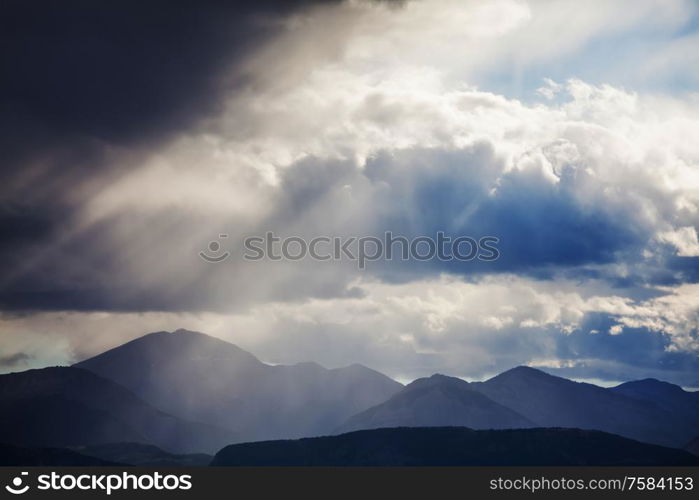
[144, 455]
[438, 401]
[666, 395]
[205, 379]
[552, 401]
[63, 406]
[170, 398]
[455, 446]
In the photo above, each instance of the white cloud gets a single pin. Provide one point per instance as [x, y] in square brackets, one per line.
[550, 89]
[684, 239]
[616, 329]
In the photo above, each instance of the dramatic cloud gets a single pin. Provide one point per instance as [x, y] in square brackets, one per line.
[352, 119]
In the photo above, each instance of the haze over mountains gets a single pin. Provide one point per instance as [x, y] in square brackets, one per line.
[186, 392]
[205, 379]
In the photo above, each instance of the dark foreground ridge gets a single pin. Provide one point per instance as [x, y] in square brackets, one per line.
[143, 455]
[456, 446]
[36, 457]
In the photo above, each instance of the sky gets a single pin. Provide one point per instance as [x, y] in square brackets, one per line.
[134, 134]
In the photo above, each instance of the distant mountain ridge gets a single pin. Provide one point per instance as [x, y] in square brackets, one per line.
[668, 396]
[650, 411]
[165, 395]
[438, 401]
[552, 401]
[206, 379]
[455, 446]
[65, 406]
[213, 377]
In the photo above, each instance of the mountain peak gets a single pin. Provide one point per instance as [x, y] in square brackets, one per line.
[355, 367]
[438, 400]
[184, 331]
[668, 396]
[525, 373]
[652, 383]
[437, 380]
[363, 370]
[162, 346]
[442, 377]
[180, 355]
[527, 370]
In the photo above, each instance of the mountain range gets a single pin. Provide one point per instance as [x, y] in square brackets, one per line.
[166, 396]
[205, 379]
[646, 410]
[552, 401]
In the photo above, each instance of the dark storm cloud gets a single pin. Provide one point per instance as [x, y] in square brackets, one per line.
[89, 86]
[124, 71]
[81, 78]
[22, 224]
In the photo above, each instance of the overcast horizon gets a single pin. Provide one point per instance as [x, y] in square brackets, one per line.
[134, 135]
